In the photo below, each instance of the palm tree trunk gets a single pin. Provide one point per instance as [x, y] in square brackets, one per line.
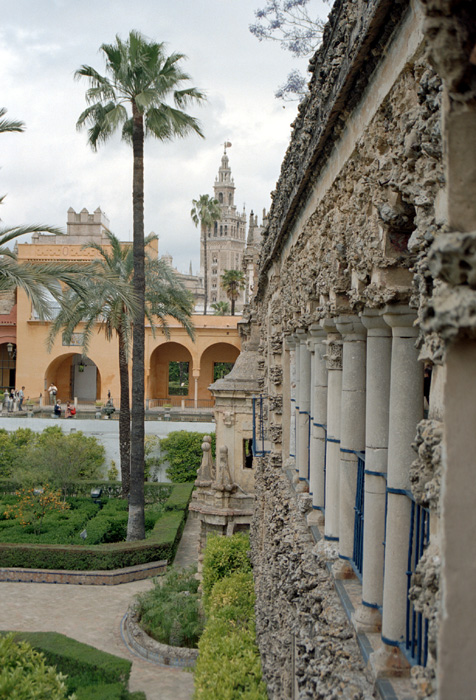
[232, 306]
[205, 271]
[124, 419]
[136, 522]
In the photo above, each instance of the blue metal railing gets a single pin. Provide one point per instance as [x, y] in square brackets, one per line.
[358, 553]
[260, 421]
[416, 637]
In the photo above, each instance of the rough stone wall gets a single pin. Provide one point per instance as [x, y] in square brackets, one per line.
[378, 213]
[298, 610]
[365, 244]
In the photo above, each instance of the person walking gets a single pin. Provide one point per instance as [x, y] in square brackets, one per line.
[21, 396]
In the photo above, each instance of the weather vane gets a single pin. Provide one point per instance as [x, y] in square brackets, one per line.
[226, 145]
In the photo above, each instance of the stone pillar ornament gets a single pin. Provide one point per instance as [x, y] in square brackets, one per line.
[405, 412]
[205, 472]
[317, 454]
[302, 431]
[333, 359]
[290, 375]
[367, 617]
[352, 433]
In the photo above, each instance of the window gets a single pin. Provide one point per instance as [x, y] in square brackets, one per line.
[220, 197]
[221, 369]
[178, 378]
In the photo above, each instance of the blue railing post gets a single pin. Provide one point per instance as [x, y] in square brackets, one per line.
[416, 638]
[359, 514]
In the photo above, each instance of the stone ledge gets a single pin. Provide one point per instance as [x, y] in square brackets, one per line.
[137, 640]
[88, 578]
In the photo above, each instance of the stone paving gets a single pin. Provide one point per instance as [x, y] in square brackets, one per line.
[93, 614]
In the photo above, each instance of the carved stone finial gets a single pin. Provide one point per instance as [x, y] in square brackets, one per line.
[206, 467]
[223, 480]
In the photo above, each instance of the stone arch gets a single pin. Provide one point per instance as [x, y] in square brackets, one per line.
[74, 376]
[218, 352]
[159, 369]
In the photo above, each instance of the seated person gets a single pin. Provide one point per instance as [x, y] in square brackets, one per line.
[57, 409]
[68, 412]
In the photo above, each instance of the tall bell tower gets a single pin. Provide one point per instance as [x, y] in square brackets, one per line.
[226, 240]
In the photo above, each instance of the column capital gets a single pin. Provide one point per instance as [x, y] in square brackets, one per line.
[316, 335]
[401, 320]
[290, 342]
[301, 335]
[350, 328]
[329, 325]
[375, 323]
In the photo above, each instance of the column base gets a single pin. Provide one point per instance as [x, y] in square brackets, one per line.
[315, 517]
[296, 478]
[388, 662]
[342, 570]
[367, 619]
[302, 487]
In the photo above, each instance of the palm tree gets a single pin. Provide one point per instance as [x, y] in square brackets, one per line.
[102, 308]
[139, 76]
[8, 124]
[221, 308]
[205, 212]
[233, 282]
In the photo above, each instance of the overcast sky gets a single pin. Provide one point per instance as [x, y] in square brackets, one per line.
[50, 168]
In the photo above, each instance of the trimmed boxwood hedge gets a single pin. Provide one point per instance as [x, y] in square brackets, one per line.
[154, 492]
[92, 673]
[161, 543]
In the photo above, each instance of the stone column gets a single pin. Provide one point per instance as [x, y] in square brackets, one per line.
[317, 449]
[334, 392]
[196, 375]
[352, 433]
[367, 617]
[406, 410]
[302, 462]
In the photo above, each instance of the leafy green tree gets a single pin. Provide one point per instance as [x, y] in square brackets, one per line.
[25, 674]
[12, 450]
[221, 308]
[58, 458]
[101, 307]
[141, 77]
[205, 211]
[183, 453]
[233, 282]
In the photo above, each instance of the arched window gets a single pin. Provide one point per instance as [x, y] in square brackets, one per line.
[220, 197]
[230, 198]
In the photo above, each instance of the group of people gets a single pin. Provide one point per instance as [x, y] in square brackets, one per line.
[69, 411]
[14, 399]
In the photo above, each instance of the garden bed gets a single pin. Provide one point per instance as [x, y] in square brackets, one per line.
[160, 545]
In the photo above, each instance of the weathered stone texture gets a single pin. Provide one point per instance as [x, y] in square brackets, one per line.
[297, 603]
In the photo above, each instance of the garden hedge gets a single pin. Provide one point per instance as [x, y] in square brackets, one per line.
[92, 674]
[229, 664]
[161, 544]
[154, 492]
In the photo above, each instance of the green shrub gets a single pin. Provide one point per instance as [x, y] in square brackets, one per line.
[171, 612]
[160, 544]
[229, 664]
[223, 556]
[183, 452]
[86, 664]
[25, 673]
[179, 497]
